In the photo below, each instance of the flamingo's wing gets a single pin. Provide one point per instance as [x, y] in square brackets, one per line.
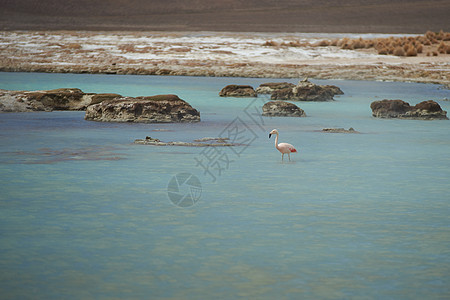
[287, 148]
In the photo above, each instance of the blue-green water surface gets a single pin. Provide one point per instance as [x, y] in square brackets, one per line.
[86, 214]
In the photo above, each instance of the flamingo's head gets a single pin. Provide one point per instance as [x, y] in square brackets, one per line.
[274, 131]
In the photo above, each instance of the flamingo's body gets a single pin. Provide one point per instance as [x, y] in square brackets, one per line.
[284, 148]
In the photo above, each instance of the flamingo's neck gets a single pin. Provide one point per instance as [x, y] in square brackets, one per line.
[276, 141]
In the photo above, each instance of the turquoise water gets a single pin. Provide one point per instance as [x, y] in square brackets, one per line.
[85, 213]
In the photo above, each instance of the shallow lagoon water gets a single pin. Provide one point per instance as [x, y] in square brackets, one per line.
[85, 213]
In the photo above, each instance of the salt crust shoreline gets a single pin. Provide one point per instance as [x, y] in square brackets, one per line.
[210, 54]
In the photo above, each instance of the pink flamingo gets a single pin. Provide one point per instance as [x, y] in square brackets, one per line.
[282, 147]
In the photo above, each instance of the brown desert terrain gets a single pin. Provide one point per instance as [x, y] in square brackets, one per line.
[230, 54]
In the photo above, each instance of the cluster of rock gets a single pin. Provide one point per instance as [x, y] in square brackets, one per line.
[170, 108]
[203, 142]
[426, 110]
[303, 91]
[152, 109]
[282, 109]
[102, 107]
[307, 91]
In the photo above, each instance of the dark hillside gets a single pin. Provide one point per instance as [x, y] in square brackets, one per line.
[394, 16]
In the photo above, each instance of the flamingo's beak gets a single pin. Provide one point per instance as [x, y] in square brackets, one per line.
[270, 135]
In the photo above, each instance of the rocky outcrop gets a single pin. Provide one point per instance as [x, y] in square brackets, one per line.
[153, 109]
[282, 109]
[426, 110]
[234, 90]
[307, 91]
[389, 108]
[270, 87]
[59, 99]
[97, 98]
[102, 107]
[335, 90]
[12, 101]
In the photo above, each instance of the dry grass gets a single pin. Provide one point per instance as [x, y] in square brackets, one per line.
[419, 48]
[411, 51]
[295, 44]
[399, 51]
[434, 42]
[443, 48]
[271, 44]
[323, 43]
[383, 51]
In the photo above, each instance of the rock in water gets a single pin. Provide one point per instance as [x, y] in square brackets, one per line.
[59, 99]
[153, 109]
[307, 91]
[270, 87]
[203, 142]
[335, 90]
[282, 109]
[98, 98]
[234, 90]
[389, 108]
[426, 110]
[340, 130]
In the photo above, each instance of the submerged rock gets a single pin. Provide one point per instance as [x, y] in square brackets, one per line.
[282, 109]
[234, 90]
[426, 110]
[153, 109]
[203, 142]
[270, 87]
[340, 130]
[307, 91]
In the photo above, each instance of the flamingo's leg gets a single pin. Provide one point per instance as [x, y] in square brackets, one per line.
[282, 156]
[289, 155]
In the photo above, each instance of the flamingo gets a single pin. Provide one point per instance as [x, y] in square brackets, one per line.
[282, 147]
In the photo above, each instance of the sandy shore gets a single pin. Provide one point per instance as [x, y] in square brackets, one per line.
[212, 54]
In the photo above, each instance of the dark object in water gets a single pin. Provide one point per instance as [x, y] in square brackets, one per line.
[203, 142]
[426, 110]
[234, 90]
